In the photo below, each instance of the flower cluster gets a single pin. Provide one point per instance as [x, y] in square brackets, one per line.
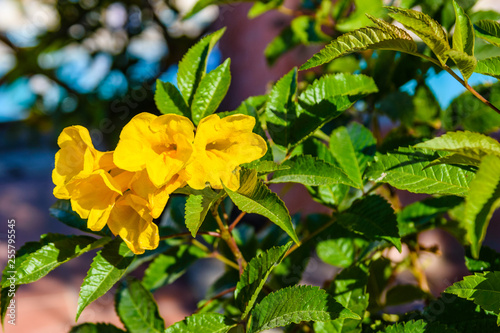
[129, 187]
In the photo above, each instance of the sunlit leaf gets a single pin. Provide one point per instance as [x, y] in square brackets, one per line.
[169, 100]
[488, 30]
[203, 322]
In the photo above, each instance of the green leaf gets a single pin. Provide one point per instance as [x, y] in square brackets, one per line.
[488, 30]
[169, 100]
[197, 207]
[213, 87]
[349, 289]
[62, 211]
[405, 169]
[169, 266]
[489, 260]
[137, 308]
[260, 8]
[465, 63]
[372, 217]
[358, 18]
[429, 30]
[418, 326]
[337, 252]
[309, 170]
[469, 145]
[481, 288]
[280, 108]
[482, 201]
[264, 167]
[370, 38]
[192, 67]
[489, 66]
[254, 197]
[294, 305]
[469, 113]
[106, 269]
[255, 276]
[51, 252]
[422, 214]
[203, 322]
[353, 147]
[95, 328]
[302, 30]
[405, 293]
[463, 37]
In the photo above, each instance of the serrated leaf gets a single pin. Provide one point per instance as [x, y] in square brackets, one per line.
[308, 170]
[353, 147]
[203, 322]
[106, 269]
[137, 308]
[62, 211]
[169, 100]
[489, 66]
[280, 108]
[481, 288]
[255, 276]
[294, 305]
[405, 169]
[95, 328]
[372, 217]
[254, 197]
[488, 30]
[264, 167]
[192, 67]
[418, 326]
[326, 99]
[53, 251]
[211, 91]
[463, 37]
[469, 145]
[349, 289]
[197, 207]
[482, 201]
[169, 266]
[422, 214]
[465, 63]
[425, 27]
[370, 38]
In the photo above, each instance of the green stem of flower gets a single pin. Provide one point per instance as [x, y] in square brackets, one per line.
[183, 234]
[215, 255]
[228, 238]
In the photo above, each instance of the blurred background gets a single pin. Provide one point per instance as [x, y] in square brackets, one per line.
[95, 63]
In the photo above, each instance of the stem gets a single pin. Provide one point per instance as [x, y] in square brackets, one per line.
[215, 255]
[308, 237]
[459, 79]
[236, 221]
[219, 295]
[182, 234]
[419, 273]
[228, 238]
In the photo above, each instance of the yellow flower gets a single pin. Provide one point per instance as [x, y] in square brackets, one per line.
[220, 146]
[161, 145]
[132, 221]
[93, 197]
[76, 158]
[156, 197]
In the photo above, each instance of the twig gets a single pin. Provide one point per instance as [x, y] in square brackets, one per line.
[219, 295]
[236, 221]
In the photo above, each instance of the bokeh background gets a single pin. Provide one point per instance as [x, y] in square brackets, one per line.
[95, 63]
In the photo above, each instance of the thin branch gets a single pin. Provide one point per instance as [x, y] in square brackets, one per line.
[182, 234]
[219, 295]
[236, 221]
